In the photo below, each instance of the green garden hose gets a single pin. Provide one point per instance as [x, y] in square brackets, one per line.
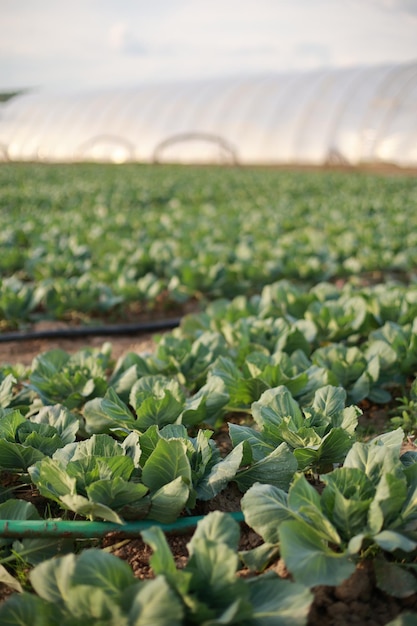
[93, 530]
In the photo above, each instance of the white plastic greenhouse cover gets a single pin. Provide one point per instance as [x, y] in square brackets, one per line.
[347, 116]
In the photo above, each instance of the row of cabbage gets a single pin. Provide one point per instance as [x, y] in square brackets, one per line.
[362, 339]
[366, 511]
[136, 439]
[92, 241]
[288, 391]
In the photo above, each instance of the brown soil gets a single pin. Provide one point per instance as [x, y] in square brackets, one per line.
[25, 351]
[355, 602]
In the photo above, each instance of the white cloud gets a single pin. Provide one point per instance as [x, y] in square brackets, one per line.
[89, 43]
[122, 39]
[312, 55]
[406, 6]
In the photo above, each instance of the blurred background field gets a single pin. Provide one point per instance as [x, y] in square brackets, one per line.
[87, 242]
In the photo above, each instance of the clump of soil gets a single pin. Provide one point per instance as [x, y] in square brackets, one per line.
[357, 601]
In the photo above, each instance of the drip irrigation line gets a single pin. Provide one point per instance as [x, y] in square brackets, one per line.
[89, 331]
[94, 530]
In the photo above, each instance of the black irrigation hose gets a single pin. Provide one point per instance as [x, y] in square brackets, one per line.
[89, 331]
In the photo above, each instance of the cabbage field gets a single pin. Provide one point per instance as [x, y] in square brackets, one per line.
[257, 467]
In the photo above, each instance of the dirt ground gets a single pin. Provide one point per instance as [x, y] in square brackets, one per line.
[355, 602]
[25, 351]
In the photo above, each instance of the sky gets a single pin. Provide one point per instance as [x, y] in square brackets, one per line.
[88, 44]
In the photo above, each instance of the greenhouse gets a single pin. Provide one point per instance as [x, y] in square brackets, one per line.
[345, 116]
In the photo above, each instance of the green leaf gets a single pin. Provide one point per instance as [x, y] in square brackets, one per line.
[206, 454]
[278, 602]
[101, 445]
[213, 566]
[124, 375]
[131, 448]
[274, 405]
[329, 401]
[9, 423]
[156, 604]
[346, 499]
[409, 512]
[14, 456]
[14, 509]
[260, 447]
[301, 438]
[361, 387]
[52, 579]
[92, 510]
[351, 482]
[161, 561]
[258, 558]
[177, 431]
[302, 495]
[386, 506]
[168, 502]
[38, 549]
[332, 449]
[65, 423]
[50, 362]
[21, 610]
[91, 604]
[58, 377]
[242, 391]
[207, 404]
[392, 439]
[347, 364]
[52, 479]
[391, 540]
[7, 579]
[277, 469]
[217, 527]
[157, 400]
[116, 493]
[374, 458]
[99, 569]
[265, 507]
[349, 419]
[40, 437]
[355, 544]
[394, 579]
[103, 414]
[148, 442]
[236, 612]
[308, 557]
[220, 474]
[6, 390]
[167, 462]
[88, 470]
[305, 501]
